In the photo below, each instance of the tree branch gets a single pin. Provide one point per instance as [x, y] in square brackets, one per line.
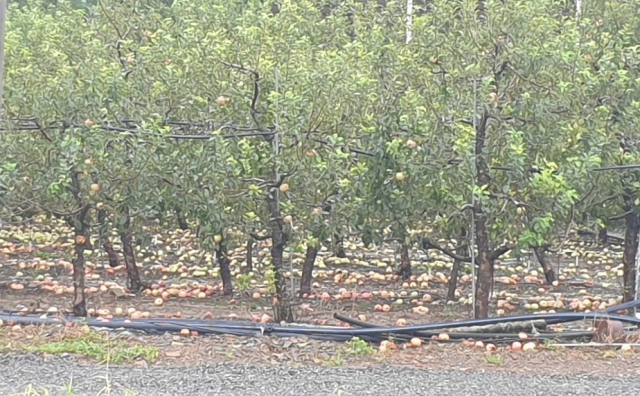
[619, 217]
[495, 254]
[256, 89]
[426, 244]
[258, 237]
[516, 202]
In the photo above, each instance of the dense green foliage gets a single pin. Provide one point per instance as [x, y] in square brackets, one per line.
[316, 118]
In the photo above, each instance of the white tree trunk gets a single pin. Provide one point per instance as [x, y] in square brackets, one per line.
[578, 8]
[409, 21]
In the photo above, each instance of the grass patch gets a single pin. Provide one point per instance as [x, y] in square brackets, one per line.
[359, 347]
[92, 345]
[43, 255]
[494, 359]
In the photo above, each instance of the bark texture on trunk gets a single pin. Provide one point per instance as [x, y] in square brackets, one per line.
[485, 260]
[629, 255]
[182, 223]
[603, 235]
[485, 269]
[461, 251]
[222, 257]
[112, 255]
[405, 261]
[549, 273]
[282, 306]
[135, 283]
[81, 232]
[105, 240]
[338, 246]
[453, 280]
[307, 269]
[79, 300]
[249, 254]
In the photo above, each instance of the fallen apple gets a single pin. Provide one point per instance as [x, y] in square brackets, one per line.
[222, 100]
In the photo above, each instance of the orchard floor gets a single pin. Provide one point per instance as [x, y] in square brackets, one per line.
[35, 276]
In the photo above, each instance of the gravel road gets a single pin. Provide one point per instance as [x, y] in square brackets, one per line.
[59, 376]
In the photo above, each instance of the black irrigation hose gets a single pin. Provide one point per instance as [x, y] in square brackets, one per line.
[506, 337]
[374, 334]
[246, 329]
[564, 317]
[608, 313]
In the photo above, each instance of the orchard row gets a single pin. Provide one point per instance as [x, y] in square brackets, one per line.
[305, 124]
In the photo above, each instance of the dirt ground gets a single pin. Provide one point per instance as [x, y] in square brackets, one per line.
[35, 277]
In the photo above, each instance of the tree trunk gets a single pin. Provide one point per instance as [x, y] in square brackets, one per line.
[603, 235]
[307, 269]
[249, 255]
[222, 257]
[281, 304]
[453, 280]
[485, 270]
[135, 284]
[338, 246]
[541, 255]
[105, 241]
[112, 255]
[182, 223]
[629, 255]
[405, 261]
[81, 232]
[455, 272]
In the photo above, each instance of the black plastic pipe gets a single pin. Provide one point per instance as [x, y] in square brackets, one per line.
[370, 334]
[563, 317]
[478, 336]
